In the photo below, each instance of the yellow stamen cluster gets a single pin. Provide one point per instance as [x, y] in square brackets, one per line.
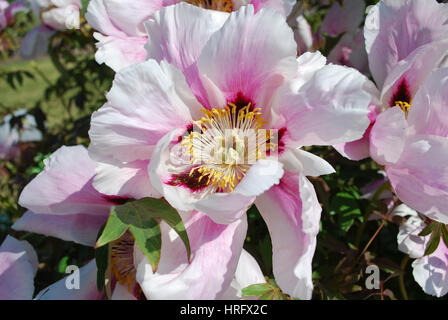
[218, 5]
[122, 261]
[229, 141]
[404, 106]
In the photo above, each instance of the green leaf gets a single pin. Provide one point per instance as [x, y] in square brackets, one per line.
[84, 4]
[445, 235]
[139, 213]
[62, 265]
[113, 230]
[346, 206]
[149, 241]
[433, 242]
[256, 290]
[428, 229]
[139, 218]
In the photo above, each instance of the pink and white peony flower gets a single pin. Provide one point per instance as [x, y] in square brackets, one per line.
[55, 15]
[120, 24]
[64, 204]
[187, 118]
[430, 271]
[411, 142]
[405, 40]
[18, 266]
[7, 12]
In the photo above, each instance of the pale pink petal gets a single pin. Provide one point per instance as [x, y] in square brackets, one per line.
[408, 239]
[131, 180]
[215, 253]
[87, 286]
[330, 108]
[395, 28]
[282, 6]
[431, 272]
[300, 161]
[388, 136]
[247, 273]
[429, 106]
[18, 266]
[292, 213]
[142, 107]
[80, 228]
[420, 176]
[122, 293]
[250, 56]
[65, 186]
[343, 19]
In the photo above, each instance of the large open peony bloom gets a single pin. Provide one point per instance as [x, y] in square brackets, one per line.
[64, 204]
[404, 42]
[215, 120]
[120, 24]
[430, 271]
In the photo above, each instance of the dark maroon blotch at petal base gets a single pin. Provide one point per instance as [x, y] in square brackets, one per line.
[190, 181]
[117, 200]
[281, 133]
[240, 101]
[401, 93]
[189, 129]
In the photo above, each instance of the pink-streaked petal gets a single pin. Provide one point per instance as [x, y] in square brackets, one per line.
[292, 213]
[343, 19]
[99, 19]
[251, 55]
[350, 51]
[87, 287]
[412, 71]
[431, 272]
[65, 186]
[128, 181]
[119, 52]
[142, 107]
[429, 106]
[215, 253]
[395, 28]
[420, 176]
[247, 273]
[80, 228]
[330, 108]
[18, 266]
[282, 6]
[388, 136]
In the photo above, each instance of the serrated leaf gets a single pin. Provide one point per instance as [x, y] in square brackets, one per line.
[149, 241]
[256, 290]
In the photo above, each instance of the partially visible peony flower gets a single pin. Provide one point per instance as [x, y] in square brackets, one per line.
[15, 128]
[213, 87]
[55, 15]
[18, 266]
[8, 10]
[430, 271]
[400, 58]
[120, 24]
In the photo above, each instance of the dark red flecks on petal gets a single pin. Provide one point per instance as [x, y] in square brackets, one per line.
[280, 140]
[401, 93]
[189, 181]
[188, 130]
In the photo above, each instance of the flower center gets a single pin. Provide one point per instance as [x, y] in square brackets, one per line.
[224, 144]
[218, 5]
[122, 261]
[404, 106]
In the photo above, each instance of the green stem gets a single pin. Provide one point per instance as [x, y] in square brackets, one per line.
[369, 211]
[404, 262]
